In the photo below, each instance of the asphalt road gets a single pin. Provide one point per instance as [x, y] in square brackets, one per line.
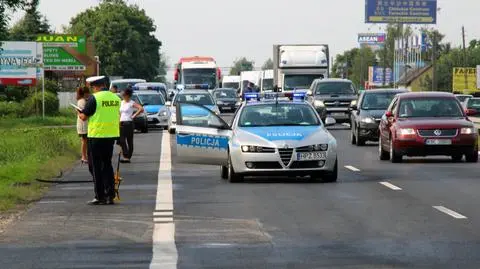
[418, 214]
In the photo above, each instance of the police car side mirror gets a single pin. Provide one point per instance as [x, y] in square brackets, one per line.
[330, 121]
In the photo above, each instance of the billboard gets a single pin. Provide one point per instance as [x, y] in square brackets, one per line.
[458, 79]
[375, 76]
[374, 41]
[401, 11]
[64, 52]
[18, 63]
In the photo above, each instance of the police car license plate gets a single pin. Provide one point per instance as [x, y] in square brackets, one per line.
[226, 108]
[438, 142]
[311, 156]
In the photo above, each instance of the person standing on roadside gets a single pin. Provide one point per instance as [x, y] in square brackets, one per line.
[129, 110]
[82, 126]
[114, 89]
[102, 111]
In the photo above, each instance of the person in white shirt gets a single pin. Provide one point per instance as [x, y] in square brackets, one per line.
[129, 109]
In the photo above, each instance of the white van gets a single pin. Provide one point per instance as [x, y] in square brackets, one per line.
[231, 82]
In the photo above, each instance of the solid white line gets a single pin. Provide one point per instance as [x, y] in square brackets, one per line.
[163, 214]
[163, 219]
[391, 186]
[349, 167]
[165, 255]
[449, 212]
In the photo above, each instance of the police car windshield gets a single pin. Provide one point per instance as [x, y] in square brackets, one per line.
[278, 115]
[195, 98]
[334, 88]
[151, 99]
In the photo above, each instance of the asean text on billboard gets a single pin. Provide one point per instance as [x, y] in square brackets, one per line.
[18, 63]
[401, 11]
[63, 52]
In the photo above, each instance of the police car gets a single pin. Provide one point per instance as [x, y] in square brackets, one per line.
[267, 137]
[193, 96]
[154, 105]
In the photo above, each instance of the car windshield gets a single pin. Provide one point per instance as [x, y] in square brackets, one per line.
[151, 99]
[225, 94]
[377, 101]
[430, 108]
[293, 82]
[278, 115]
[195, 98]
[473, 103]
[268, 85]
[201, 76]
[338, 87]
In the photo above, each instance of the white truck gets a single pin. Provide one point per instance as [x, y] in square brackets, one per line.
[250, 76]
[267, 80]
[231, 82]
[296, 66]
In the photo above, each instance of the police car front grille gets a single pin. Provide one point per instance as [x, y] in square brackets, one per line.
[285, 155]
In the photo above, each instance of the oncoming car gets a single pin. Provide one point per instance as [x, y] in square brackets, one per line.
[266, 138]
[199, 97]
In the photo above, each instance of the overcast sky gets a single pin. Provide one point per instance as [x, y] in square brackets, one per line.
[228, 29]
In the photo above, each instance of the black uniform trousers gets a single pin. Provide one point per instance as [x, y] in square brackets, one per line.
[100, 151]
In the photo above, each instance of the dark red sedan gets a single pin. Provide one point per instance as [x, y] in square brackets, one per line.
[427, 123]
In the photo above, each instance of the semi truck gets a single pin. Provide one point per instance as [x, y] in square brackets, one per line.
[295, 66]
[197, 70]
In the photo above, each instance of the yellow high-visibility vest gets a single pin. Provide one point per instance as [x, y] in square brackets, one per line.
[105, 122]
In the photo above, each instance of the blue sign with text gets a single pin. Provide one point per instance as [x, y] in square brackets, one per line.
[401, 11]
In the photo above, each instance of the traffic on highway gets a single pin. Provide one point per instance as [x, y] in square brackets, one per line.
[333, 153]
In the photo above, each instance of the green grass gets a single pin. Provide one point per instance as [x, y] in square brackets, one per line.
[30, 153]
[64, 117]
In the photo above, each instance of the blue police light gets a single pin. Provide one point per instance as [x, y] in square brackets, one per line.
[249, 97]
[299, 96]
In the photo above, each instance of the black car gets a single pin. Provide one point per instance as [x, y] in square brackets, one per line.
[141, 121]
[332, 97]
[367, 112]
[226, 99]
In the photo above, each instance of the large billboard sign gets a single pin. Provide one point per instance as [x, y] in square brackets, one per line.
[19, 62]
[374, 41]
[64, 52]
[375, 76]
[458, 80]
[401, 11]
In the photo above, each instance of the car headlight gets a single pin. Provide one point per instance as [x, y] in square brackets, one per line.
[406, 131]
[163, 113]
[467, 131]
[320, 147]
[252, 149]
[238, 103]
[318, 103]
[219, 102]
[216, 110]
[367, 120]
[353, 103]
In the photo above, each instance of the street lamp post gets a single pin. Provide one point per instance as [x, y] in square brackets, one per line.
[97, 59]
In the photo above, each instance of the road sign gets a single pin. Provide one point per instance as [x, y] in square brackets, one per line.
[63, 52]
[459, 79]
[401, 11]
[18, 63]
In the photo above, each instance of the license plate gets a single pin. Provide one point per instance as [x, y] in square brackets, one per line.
[311, 156]
[435, 142]
[226, 108]
[337, 114]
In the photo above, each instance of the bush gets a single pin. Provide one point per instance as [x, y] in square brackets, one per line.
[11, 109]
[34, 103]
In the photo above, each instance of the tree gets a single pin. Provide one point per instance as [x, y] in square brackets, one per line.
[240, 65]
[123, 38]
[268, 64]
[30, 25]
[162, 70]
[7, 6]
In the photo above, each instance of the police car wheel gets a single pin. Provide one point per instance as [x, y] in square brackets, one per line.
[224, 172]
[331, 176]
[171, 131]
[231, 175]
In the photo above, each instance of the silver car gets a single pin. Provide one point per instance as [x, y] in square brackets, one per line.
[199, 97]
[265, 138]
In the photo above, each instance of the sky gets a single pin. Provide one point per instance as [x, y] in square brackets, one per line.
[227, 29]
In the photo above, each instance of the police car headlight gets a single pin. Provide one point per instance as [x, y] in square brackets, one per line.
[251, 149]
[163, 113]
[368, 120]
[318, 103]
[320, 147]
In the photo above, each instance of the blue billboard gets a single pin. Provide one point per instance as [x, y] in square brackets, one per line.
[401, 11]
[375, 76]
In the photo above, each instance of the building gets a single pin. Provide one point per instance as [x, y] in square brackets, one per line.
[417, 80]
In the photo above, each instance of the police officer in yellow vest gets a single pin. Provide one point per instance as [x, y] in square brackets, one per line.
[103, 113]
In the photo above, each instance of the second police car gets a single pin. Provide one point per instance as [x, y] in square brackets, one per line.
[267, 137]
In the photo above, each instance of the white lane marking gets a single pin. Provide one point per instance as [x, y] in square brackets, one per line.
[391, 186]
[354, 169]
[163, 214]
[449, 212]
[165, 255]
[52, 202]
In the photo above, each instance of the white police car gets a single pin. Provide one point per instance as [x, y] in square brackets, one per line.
[194, 96]
[269, 137]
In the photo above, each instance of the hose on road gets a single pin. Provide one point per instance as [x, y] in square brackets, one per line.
[62, 181]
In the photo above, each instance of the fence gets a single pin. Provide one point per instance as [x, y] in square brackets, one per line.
[65, 98]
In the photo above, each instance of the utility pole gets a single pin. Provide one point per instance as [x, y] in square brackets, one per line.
[464, 58]
[434, 61]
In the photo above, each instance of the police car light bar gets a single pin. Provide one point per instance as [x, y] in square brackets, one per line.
[295, 96]
[197, 86]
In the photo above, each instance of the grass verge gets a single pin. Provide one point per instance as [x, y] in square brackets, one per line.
[64, 117]
[30, 153]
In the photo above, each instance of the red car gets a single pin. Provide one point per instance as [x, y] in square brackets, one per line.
[427, 123]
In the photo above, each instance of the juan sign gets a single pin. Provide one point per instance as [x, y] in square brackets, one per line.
[63, 52]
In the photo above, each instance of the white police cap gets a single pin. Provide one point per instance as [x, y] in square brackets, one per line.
[98, 80]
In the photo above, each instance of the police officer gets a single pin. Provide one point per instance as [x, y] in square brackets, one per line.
[103, 113]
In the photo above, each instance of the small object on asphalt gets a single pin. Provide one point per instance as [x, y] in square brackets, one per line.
[118, 179]
[97, 202]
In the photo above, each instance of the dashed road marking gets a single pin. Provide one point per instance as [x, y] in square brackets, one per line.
[390, 186]
[165, 255]
[450, 212]
[354, 169]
